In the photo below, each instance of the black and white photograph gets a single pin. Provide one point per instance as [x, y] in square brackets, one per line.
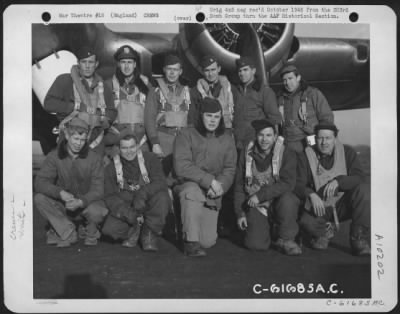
[218, 158]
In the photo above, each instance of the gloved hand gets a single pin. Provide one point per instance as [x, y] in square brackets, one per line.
[309, 130]
[104, 124]
[139, 204]
[125, 213]
[131, 216]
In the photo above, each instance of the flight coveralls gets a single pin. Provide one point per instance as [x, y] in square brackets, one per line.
[198, 159]
[301, 111]
[132, 189]
[252, 102]
[129, 101]
[167, 111]
[353, 200]
[70, 96]
[84, 178]
[272, 178]
[220, 90]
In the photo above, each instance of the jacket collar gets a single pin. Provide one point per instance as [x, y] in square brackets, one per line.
[62, 150]
[178, 85]
[257, 155]
[202, 129]
[135, 81]
[322, 156]
[255, 85]
[301, 89]
[95, 82]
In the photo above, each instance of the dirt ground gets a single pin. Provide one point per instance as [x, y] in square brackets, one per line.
[229, 271]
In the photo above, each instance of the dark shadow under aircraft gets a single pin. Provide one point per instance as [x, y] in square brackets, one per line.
[338, 67]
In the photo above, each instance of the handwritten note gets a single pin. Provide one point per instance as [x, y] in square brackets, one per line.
[17, 220]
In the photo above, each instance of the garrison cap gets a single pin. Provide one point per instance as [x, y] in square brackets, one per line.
[245, 61]
[207, 61]
[326, 126]
[210, 105]
[288, 68]
[85, 52]
[262, 124]
[126, 52]
[127, 133]
[78, 123]
[172, 59]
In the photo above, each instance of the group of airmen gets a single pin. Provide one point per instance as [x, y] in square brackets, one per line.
[128, 146]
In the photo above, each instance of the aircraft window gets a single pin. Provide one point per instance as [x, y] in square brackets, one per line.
[362, 53]
[294, 47]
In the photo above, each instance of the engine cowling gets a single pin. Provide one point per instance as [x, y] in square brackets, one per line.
[224, 42]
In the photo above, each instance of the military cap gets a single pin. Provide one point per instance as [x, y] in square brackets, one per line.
[85, 52]
[210, 105]
[172, 59]
[288, 68]
[78, 123]
[126, 52]
[207, 61]
[244, 61]
[262, 124]
[326, 126]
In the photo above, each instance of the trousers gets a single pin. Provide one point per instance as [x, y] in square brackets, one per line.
[154, 217]
[355, 205]
[199, 222]
[61, 219]
[284, 214]
[297, 146]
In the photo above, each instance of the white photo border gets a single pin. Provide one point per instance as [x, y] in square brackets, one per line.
[17, 164]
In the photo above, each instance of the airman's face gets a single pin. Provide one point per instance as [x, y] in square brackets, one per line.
[87, 66]
[128, 149]
[173, 72]
[291, 82]
[127, 66]
[266, 139]
[246, 74]
[211, 72]
[211, 120]
[75, 141]
[326, 141]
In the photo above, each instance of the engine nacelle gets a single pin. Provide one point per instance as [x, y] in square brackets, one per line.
[223, 42]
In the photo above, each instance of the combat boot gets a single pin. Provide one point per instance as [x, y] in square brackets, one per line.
[322, 243]
[92, 239]
[193, 249]
[82, 232]
[72, 239]
[288, 247]
[133, 236]
[148, 239]
[359, 241]
[52, 238]
[92, 234]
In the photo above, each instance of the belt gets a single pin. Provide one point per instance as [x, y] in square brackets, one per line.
[170, 130]
[303, 141]
[130, 124]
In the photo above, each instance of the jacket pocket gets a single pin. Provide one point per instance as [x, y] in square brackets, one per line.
[197, 196]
